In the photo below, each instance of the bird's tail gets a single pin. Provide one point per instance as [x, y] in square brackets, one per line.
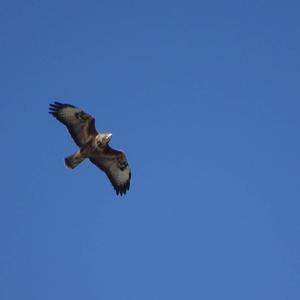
[74, 160]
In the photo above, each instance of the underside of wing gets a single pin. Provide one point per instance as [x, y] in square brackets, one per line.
[115, 165]
[80, 124]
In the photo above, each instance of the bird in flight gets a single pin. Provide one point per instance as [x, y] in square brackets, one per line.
[93, 145]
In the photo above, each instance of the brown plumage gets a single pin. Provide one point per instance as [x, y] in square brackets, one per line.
[93, 145]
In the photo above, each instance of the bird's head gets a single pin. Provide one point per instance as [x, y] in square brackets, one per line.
[102, 139]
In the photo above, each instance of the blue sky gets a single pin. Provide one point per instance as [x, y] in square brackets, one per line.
[203, 96]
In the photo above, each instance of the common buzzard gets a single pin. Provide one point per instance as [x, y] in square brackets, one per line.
[93, 145]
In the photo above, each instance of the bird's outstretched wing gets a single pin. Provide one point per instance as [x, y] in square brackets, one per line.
[115, 165]
[80, 124]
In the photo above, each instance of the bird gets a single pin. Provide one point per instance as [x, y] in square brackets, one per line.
[93, 145]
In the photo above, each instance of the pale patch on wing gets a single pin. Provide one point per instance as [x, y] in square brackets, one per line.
[120, 179]
[119, 176]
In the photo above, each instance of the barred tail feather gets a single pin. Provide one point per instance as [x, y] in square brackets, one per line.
[74, 160]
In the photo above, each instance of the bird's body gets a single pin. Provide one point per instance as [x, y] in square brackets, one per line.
[93, 146]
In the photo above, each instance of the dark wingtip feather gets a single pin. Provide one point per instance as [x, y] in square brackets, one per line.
[122, 190]
[56, 106]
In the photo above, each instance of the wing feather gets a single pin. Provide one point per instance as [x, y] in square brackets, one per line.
[114, 164]
[80, 124]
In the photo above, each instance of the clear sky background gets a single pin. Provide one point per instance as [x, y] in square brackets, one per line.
[204, 98]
